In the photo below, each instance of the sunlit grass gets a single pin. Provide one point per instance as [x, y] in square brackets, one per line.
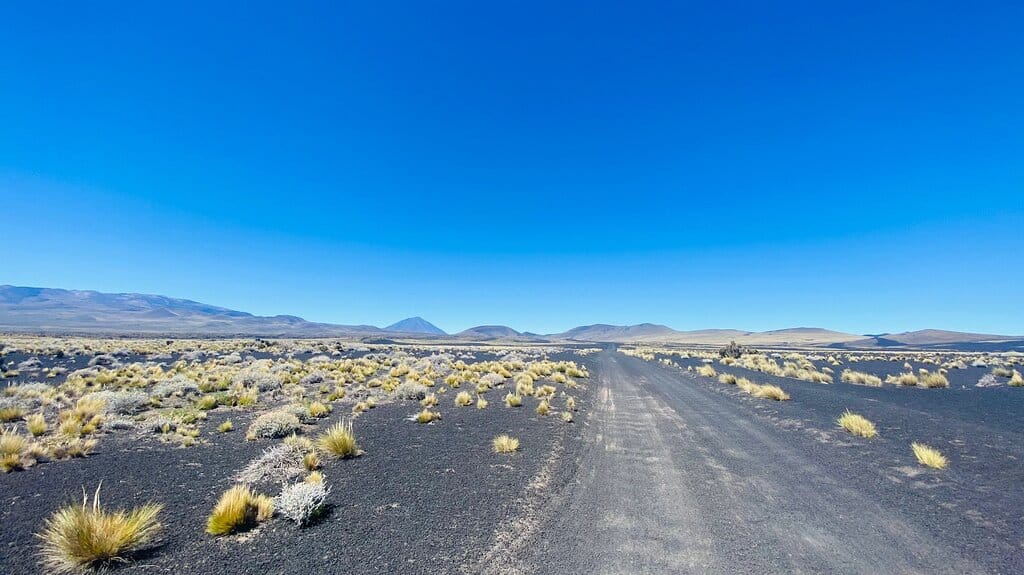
[929, 456]
[857, 425]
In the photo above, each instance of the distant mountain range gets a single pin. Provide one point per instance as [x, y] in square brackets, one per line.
[59, 311]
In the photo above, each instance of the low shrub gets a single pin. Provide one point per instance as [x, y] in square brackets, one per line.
[273, 424]
[302, 502]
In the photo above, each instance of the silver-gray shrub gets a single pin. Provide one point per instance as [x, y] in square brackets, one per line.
[411, 390]
[301, 502]
[178, 385]
[274, 424]
[263, 381]
[122, 402]
[278, 464]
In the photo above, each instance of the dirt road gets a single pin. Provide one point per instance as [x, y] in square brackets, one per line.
[679, 477]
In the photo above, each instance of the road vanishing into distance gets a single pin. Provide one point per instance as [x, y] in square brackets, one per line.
[676, 475]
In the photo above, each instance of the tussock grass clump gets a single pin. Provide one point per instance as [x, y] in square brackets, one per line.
[12, 413]
[908, 379]
[339, 441]
[318, 410]
[727, 378]
[746, 385]
[933, 380]
[505, 444]
[570, 403]
[86, 536]
[426, 416]
[857, 425]
[463, 399]
[225, 427]
[771, 392]
[1001, 372]
[860, 378]
[36, 424]
[12, 446]
[1016, 380]
[929, 456]
[706, 371]
[206, 402]
[481, 403]
[513, 400]
[239, 509]
[543, 408]
[567, 416]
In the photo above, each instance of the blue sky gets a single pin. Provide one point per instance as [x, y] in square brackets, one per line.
[851, 165]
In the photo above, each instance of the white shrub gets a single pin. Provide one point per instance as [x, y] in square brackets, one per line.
[278, 464]
[411, 390]
[301, 502]
[178, 385]
[273, 424]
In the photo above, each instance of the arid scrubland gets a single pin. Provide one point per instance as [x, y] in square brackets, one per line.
[166, 391]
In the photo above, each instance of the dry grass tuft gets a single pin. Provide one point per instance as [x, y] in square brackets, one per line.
[8, 414]
[933, 380]
[36, 424]
[706, 371]
[771, 392]
[237, 510]
[426, 416]
[860, 378]
[727, 378]
[929, 456]
[1016, 380]
[505, 444]
[225, 427]
[339, 440]
[513, 400]
[567, 416]
[80, 537]
[481, 403]
[543, 408]
[857, 425]
[463, 399]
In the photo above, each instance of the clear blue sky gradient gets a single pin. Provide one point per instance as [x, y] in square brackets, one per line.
[851, 165]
